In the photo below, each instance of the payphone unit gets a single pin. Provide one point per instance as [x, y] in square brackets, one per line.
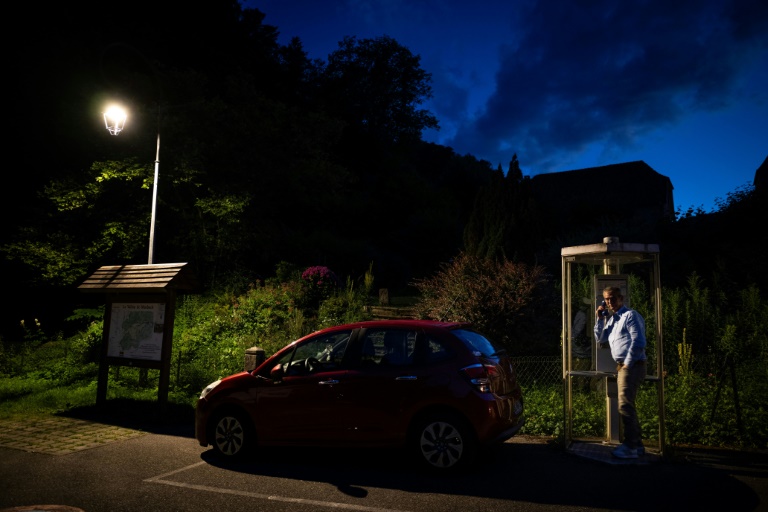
[610, 263]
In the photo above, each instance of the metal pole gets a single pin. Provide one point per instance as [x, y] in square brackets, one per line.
[154, 200]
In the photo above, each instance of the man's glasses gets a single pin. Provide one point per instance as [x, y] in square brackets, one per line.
[611, 299]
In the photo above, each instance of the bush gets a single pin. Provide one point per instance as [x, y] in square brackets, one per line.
[512, 303]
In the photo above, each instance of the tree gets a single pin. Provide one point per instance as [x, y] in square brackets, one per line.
[485, 231]
[504, 223]
[376, 85]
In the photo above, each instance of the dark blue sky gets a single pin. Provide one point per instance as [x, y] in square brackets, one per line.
[682, 85]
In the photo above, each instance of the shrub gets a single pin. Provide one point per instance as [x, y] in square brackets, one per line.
[512, 303]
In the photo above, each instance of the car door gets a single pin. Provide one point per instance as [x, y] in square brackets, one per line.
[301, 407]
[379, 390]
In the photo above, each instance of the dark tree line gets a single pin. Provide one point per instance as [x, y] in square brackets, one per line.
[266, 156]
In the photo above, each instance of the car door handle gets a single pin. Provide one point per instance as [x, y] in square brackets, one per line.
[326, 382]
[406, 377]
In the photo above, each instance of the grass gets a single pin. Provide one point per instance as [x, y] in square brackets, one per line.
[34, 398]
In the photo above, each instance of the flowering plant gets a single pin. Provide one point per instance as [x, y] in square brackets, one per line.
[320, 282]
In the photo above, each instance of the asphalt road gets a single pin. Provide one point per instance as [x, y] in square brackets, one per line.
[97, 465]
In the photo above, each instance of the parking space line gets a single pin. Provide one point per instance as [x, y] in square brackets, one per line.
[159, 479]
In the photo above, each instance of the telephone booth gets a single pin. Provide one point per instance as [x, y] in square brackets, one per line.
[589, 372]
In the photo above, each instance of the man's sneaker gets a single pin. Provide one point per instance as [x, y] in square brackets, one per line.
[624, 452]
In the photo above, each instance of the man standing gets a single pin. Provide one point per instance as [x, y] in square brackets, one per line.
[624, 330]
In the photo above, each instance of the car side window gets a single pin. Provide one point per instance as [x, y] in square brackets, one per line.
[388, 347]
[435, 351]
[321, 353]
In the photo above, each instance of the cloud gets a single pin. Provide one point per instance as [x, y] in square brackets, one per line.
[580, 74]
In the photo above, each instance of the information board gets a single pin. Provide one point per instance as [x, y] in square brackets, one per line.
[136, 331]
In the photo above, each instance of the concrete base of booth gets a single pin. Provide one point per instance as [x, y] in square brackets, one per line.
[601, 452]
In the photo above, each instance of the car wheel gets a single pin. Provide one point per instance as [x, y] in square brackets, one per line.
[232, 435]
[443, 442]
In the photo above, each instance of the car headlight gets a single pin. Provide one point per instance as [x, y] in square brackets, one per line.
[209, 388]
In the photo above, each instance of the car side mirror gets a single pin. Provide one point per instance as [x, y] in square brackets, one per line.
[277, 372]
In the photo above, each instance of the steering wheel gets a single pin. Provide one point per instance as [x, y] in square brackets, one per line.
[311, 364]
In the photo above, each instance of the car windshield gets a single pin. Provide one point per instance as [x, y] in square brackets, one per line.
[477, 342]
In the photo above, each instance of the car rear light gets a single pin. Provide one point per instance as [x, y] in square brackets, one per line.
[480, 376]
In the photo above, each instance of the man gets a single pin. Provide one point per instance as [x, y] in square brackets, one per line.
[624, 330]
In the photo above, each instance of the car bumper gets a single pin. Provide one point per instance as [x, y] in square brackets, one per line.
[510, 432]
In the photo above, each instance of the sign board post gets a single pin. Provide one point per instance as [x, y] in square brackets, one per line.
[138, 318]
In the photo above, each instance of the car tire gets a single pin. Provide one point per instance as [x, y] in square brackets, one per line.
[443, 442]
[233, 437]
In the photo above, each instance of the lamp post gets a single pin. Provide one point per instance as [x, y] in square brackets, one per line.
[114, 119]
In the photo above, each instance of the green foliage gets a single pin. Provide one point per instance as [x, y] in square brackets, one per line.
[60, 360]
[582, 286]
[368, 281]
[347, 305]
[700, 314]
[42, 398]
[699, 410]
[717, 400]
[688, 407]
[77, 232]
[686, 358]
[211, 334]
[85, 346]
[16, 387]
[543, 411]
[286, 272]
[588, 414]
[52, 255]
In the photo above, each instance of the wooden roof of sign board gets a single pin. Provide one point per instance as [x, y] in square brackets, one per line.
[139, 278]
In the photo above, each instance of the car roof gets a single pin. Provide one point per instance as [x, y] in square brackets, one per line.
[406, 323]
[395, 323]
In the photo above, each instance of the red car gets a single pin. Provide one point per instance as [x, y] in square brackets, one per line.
[440, 389]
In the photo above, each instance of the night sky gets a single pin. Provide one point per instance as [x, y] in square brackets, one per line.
[681, 85]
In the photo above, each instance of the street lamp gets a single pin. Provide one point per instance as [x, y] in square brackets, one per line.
[114, 119]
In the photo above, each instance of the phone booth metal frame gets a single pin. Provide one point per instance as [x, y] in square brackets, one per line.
[611, 256]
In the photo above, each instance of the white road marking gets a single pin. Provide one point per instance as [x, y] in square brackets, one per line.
[159, 479]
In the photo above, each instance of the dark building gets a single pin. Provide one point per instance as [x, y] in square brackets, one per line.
[629, 200]
[761, 177]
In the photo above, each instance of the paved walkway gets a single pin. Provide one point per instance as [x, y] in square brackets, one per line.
[59, 435]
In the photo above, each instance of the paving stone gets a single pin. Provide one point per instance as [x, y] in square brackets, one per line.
[60, 436]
